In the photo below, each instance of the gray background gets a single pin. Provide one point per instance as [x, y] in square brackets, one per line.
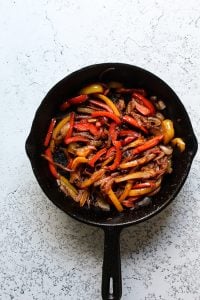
[44, 254]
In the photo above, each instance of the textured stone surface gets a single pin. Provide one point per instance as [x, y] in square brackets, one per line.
[43, 253]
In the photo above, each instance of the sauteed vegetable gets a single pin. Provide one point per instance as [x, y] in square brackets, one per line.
[110, 146]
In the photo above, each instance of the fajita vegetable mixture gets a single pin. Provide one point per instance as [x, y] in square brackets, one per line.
[111, 147]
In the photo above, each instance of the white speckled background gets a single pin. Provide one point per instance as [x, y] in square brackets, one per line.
[44, 254]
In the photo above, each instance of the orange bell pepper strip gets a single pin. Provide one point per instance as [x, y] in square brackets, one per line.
[148, 145]
[115, 200]
[77, 161]
[145, 102]
[106, 114]
[126, 191]
[49, 132]
[73, 101]
[95, 177]
[133, 122]
[97, 156]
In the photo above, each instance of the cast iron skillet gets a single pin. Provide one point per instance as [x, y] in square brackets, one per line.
[112, 222]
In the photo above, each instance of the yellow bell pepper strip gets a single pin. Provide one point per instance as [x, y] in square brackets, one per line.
[168, 130]
[66, 182]
[115, 200]
[77, 161]
[71, 125]
[84, 151]
[73, 101]
[133, 122]
[137, 175]
[126, 191]
[145, 190]
[51, 166]
[179, 143]
[148, 144]
[94, 88]
[138, 142]
[49, 132]
[137, 162]
[59, 127]
[84, 197]
[69, 188]
[109, 103]
[106, 114]
[140, 192]
[95, 176]
[107, 161]
[96, 157]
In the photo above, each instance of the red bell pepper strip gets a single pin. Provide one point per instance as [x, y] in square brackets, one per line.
[100, 104]
[145, 102]
[85, 126]
[73, 101]
[118, 156]
[106, 114]
[142, 109]
[143, 185]
[134, 123]
[97, 156]
[77, 138]
[129, 133]
[51, 166]
[110, 151]
[71, 125]
[148, 145]
[130, 202]
[49, 132]
[128, 140]
[113, 132]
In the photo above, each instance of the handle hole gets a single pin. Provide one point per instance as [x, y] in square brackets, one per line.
[111, 286]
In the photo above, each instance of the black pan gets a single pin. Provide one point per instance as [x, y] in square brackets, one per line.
[112, 222]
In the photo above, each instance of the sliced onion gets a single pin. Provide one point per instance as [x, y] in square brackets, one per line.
[166, 149]
[160, 105]
[160, 116]
[144, 202]
[154, 121]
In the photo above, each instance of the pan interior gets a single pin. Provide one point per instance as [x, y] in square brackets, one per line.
[130, 76]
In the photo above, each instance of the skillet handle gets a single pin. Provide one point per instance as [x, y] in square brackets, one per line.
[111, 274]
